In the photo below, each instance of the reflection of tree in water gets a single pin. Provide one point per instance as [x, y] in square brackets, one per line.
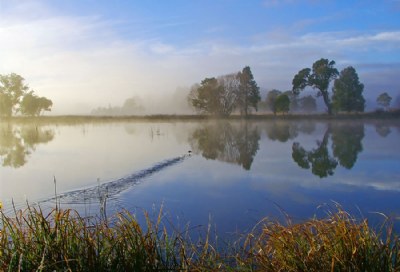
[282, 131]
[346, 144]
[383, 130]
[286, 130]
[17, 142]
[226, 142]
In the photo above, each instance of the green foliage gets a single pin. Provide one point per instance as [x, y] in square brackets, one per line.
[14, 87]
[282, 103]
[322, 73]
[33, 105]
[16, 97]
[271, 99]
[384, 100]
[206, 98]
[222, 95]
[249, 92]
[347, 92]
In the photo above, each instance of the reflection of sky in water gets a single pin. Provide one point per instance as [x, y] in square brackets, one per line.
[216, 185]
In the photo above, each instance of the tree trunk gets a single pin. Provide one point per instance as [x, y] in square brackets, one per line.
[327, 101]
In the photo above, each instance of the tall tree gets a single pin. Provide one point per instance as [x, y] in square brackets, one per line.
[13, 86]
[347, 92]
[384, 100]
[249, 93]
[322, 73]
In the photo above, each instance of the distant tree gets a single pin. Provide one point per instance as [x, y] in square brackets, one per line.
[282, 103]
[131, 106]
[322, 73]
[271, 99]
[32, 105]
[308, 103]
[248, 93]
[384, 100]
[13, 86]
[347, 92]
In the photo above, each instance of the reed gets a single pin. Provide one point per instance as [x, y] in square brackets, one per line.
[62, 240]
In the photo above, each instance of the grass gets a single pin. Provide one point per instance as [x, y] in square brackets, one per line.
[61, 240]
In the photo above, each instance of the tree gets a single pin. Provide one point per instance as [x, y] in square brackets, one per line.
[347, 92]
[308, 103]
[131, 106]
[271, 98]
[294, 100]
[282, 103]
[206, 97]
[384, 100]
[322, 73]
[13, 86]
[248, 93]
[231, 85]
[32, 105]
[16, 97]
[5, 105]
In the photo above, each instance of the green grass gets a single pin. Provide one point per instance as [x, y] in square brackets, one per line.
[61, 240]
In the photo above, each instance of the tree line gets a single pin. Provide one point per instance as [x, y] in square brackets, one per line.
[16, 97]
[239, 92]
[225, 94]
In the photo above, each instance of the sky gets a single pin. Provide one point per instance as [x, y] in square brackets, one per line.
[89, 53]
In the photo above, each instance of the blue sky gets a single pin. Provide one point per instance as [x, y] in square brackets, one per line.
[83, 54]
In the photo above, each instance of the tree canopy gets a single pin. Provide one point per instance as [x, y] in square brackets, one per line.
[15, 97]
[271, 99]
[249, 92]
[322, 73]
[222, 95]
[347, 92]
[282, 103]
[384, 100]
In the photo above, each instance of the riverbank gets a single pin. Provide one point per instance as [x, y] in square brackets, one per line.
[376, 115]
[62, 240]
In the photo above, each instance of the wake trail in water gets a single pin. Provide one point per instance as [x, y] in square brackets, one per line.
[111, 189]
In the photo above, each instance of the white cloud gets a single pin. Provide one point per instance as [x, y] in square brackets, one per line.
[82, 59]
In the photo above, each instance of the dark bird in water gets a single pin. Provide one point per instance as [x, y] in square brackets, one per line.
[190, 152]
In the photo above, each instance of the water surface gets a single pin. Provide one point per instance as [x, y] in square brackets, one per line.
[236, 173]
